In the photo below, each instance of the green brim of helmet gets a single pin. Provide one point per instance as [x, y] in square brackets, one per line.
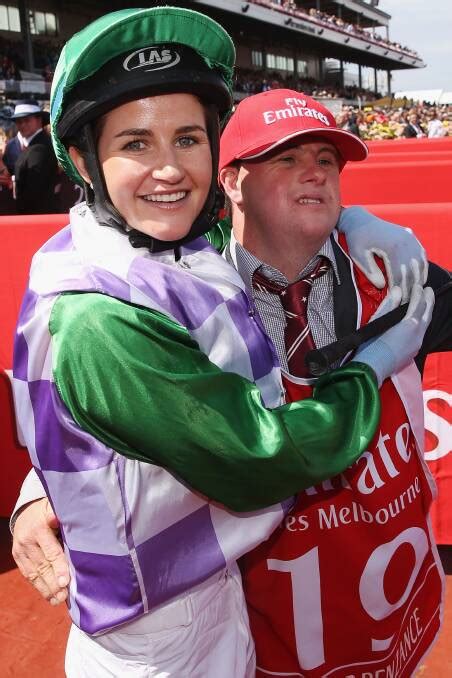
[131, 29]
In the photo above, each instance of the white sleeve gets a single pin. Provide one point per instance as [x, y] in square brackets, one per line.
[31, 490]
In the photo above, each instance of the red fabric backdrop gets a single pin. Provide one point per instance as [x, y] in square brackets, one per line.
[410, 182]
[397, 182]
[20, 238]
[432, 223]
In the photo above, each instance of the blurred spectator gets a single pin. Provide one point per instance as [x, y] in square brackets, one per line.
[13, 149]
[47, 73]
[349, 122]
[7, 203]
[6, 121]
[413, 128]
[435, 127]
[36, 168]
[46, 55]
[12, 146]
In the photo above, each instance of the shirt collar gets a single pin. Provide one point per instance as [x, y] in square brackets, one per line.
[26, 140]
[246, 263]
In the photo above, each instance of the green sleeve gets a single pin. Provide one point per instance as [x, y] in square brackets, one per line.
[220, 234]
[139, 383]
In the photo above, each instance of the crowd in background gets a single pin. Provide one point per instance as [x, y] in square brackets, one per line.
[252, 82]
[332, 21]
[46, 55]
[247, 81]
[368, 120]
[419, 120]
[12, 62]
[64, 192]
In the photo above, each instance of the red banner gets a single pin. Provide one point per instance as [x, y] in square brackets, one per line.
[438, 439]
[20, 237]
[432, 222]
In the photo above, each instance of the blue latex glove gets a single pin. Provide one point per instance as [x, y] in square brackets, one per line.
[395, 348]
[403, 255]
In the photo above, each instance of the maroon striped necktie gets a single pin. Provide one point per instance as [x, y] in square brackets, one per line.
[294, 299]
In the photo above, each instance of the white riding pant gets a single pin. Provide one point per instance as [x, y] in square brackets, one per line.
[202, 634]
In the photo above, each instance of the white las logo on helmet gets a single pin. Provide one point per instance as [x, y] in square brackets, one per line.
[151, 59]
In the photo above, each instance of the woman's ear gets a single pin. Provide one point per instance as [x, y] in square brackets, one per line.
[230, 181]
[79, 162]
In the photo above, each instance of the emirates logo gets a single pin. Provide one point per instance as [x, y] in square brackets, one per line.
[151, 59]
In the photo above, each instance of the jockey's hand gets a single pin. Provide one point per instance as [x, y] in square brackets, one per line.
[38, 553]
[397, 347]
[402, 254]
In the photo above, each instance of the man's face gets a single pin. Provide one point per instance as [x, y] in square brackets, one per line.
[292, 194]
[29, 124]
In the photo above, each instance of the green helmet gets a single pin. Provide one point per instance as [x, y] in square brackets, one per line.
[131, 54]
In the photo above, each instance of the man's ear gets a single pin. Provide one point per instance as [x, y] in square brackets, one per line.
[79, 162]
[230, 181]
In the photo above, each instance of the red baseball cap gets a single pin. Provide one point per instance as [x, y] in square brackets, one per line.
[264, 121]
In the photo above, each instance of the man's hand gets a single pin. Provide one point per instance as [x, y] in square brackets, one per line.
[38, 553]
[403, 255]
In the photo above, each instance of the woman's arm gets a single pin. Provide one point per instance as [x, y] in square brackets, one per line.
[138, 382]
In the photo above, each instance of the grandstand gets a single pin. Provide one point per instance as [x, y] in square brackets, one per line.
[328, 48]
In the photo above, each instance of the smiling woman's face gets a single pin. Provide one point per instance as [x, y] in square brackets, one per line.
[156, 159]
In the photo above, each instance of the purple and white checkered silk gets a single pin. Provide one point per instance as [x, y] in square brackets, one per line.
[294, 299]
[125, 563]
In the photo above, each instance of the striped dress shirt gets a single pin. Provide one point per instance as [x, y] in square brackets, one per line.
[269, 307]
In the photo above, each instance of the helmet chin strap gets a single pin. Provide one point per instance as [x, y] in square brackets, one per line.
[96, 194]
[98, 199]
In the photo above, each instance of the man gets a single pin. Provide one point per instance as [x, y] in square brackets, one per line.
[413, 128]
[14, 145]
[349, 585]
[42, 575]
[349, 122]
[35, 168]
[7, 203]
[435, 128]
